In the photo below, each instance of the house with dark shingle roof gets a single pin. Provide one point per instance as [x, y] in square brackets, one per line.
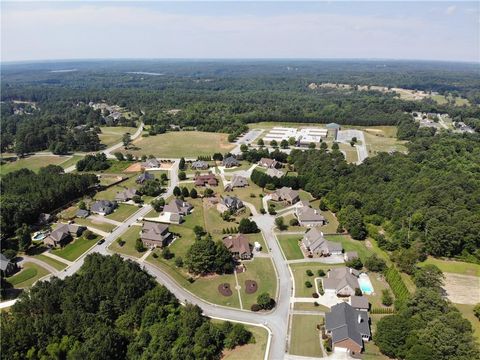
[199, 165]
[82, 213]
[7, 267]
[155, 234]
[237, 181]
[239, 246]
[125, 195]
[63, 234]
[359, 302]
[145, 176]
[230, 162]
[204, 180]
[268, 163]
[348, 328]
[316, 245]
[175, 210]
[152, 163]
[103, 207]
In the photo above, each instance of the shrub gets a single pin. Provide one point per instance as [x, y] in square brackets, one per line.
[255, 307]
[179, 261]
[262, 210]
[315, 295]
[308, 284]
[358, 292]
[89, 235]
[397, 285]
[316, 304]
[476, 311]
[139, 245]
[293, 222]
[167, 254]
[321, 273]
[374, 263]
[309, 272]
[155, 255]
[387, 298]
[355, 264]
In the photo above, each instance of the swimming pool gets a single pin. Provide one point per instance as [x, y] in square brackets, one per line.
[40, 235]
[365, 284]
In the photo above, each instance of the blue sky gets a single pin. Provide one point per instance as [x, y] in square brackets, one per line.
[431, 30]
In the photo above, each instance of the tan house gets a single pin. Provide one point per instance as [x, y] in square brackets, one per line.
[316, 245]
[286, 194]
[204, 180]
[268, 163]
[309, 217]
[341, 281]
[155, 234]
[239, 246]
[125, 195]
[238, 181]
[176, 209]
[63, 234]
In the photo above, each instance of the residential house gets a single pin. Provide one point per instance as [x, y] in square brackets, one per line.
[176, 209]
[316, 245]
[286, 194]
[204, 180]
[230, 203]
[145, 176]
[44, 219]
[359, 302]
[350, 255]
[199, 165]
[82, 213]
[152, 164]
[274, 172]
[309, 217]
[239, 246]
[7, 267]
[155, 234]
[237, 181]
[63, 234]
[125, 195]
[341, 281]
[230, 162]
[348, 328]
[268, 163]
[103, 207]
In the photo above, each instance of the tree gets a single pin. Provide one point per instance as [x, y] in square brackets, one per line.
[374, 263]
[476, 311]
[387, 298]
[82, 205]
[335, 146]
[247, 226]
[158, 204]
[126, 139]
[243, 148]
[137, 199]
[352, 220]
[429, 276]
[284, 144]
[193, 193]
[139, 245]
[260, 142]
[323, 146]
[89, 235]
[217, 157]
[293, 222]
[119, 156]
[24, 238]
[179, 261]
[185, 192]
[312, 145]
[200, 258]
[198, 231]
[181, 164]
[292, 141]
[167, 254]
[265, 301]
[129, 157]
[355, 263]
[273, 143]
[280, 222]
[237, 335]
[182, 175]
[176, 191]
[391, 334]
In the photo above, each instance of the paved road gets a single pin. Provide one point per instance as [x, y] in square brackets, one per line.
[247, 138]
[27, 259]
[344, 136]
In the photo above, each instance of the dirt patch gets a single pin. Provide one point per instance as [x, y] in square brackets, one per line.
[137, 167]
[166, 166]
[225, 289]
[251, 286]
[462, 289]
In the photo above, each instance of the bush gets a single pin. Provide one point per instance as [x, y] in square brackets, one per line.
[387, 298]
[316, 304]
[255, 307]
[167, 254]
[179, 261]
[89, 235]
[308, 284]
[120, 242]
[476, 311]
[293, 222]
[321, 273]
[182, 175]
[262, 211]
[155, 255]
[355, 264]
[374, 263]
[309, 272]
[265, 301]
[358, 292]
[139, 245]
[315, 295]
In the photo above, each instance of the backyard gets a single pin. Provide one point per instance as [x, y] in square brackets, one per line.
[181, 143]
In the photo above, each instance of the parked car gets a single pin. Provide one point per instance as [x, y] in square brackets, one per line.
[100, 242]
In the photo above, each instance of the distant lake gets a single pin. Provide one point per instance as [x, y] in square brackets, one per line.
[63, 70]
[144, 73]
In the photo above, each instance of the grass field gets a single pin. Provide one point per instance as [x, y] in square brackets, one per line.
[122, 212]
[100, 225]
[252, 351]
[33, 163]
[72, 161]
[182, 143]
[27, 276]
[300, 276]
[76, 248]
[456, 267]
[112, 135]
[467, 312]
[350, 152]
[129, 236]
[378, 140]
[310, 306]
[305, 338]
[55, 263]
[246, 192]
[290, 246]
[351, 245]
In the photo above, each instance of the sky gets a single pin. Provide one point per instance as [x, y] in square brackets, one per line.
[430, 30]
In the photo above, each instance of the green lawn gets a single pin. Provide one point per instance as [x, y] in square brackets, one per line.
[350, 152]
[130, 236]
[378, 141]
[32, 162]
[300, 276]
[351, 245]
[456, 267]
[261, 270]
[103, 226]
[255, 350]
[27, 276]
[181, 143]
[123, 212]
[305, 338]
[244, 165]
[245, 193]
[76, 248]
[112, 135]
[467, 312]
[72, 161]
[310, 306]
[52, 262]
[290, 246]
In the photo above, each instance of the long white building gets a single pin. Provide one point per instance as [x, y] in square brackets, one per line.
[302, 136]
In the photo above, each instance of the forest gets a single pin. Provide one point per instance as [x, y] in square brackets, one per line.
[219, 96]
[111, 309]
[25, 195]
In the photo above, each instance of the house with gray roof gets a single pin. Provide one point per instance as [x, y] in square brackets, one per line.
[286, 194]
[155, 234]
[316, 245]
[238, 181]
[268, 163]
[82, 213]
[63, 234]
[103, 207]
[274, 172]
[348, 328]
[125, 195]
[341, 281]
[152, 163]
[145, 176]
[230, 162]
[175, 210]
[309, 217]
[360, 302]
[233, 203]
[7, 267]
[199, 165]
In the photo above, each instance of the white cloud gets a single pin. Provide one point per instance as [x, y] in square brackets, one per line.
[450, 10]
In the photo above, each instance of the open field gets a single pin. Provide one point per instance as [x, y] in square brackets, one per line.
[290, 246]
[50, 261]
[305, 338]
[33, 163]
[27, 276]
[72, 161]
[261, 270]
[112, 135]
[129, 236]
[76, 248]
[377, 141]
[181, 143]
[460, 289]
[350, 152]
[467, 312]
[455, 267]
[122, 212]
[245, 193]
[100, 225]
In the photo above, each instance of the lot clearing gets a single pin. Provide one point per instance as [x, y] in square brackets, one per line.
[460, 289]
[181, 143]
[33, 163]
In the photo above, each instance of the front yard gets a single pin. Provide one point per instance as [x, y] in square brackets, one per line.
[290, 246]
[27, 276]
[128, 248]
[76, 248]
[300, 276]
[123, 212]
[305, 338]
